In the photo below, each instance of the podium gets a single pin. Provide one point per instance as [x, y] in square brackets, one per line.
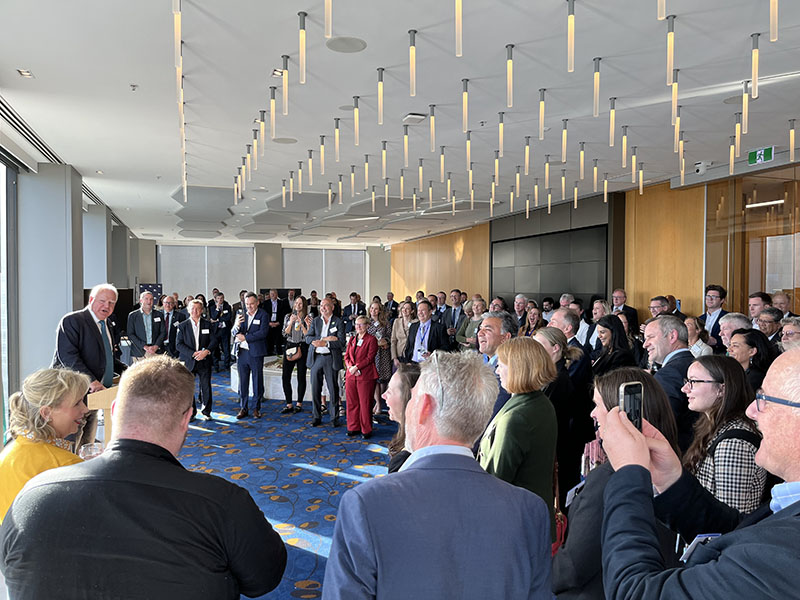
[103, 399]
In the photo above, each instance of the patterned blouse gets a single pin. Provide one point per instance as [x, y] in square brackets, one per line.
[731, 474]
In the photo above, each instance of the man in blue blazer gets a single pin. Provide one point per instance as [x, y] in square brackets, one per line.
[355, 309]
[85, 342]
[326, 342]
[146, 330]
[195, 342]
[756, 557]
[422, 532]
[250, 331]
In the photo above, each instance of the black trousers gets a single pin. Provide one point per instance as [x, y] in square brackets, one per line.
[323, 367]
[202, 372]
[274, 341]
[302, 368]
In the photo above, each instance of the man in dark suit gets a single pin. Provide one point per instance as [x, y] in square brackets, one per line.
[453, 317]
[221, 314]
[714, 298]
[756, 557]
[195, 341]
[520, 304]
[146, 330]
[439, 305]
[172, 318]
[84, 342]
[769, 323]
[391, 306]
[618, 299]
[441, 502]
[495, 329]
[276, 310]
[425, 336]
[673, 307]
[783, 303]
[355, 309]
[326, 343]
[251, 331]
[667, 343]
[240, 306]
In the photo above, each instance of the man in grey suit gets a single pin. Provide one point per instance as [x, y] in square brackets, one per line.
[427, 530]
[326, 343]
[146, 329]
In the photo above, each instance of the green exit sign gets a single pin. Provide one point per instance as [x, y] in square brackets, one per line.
[760, 155]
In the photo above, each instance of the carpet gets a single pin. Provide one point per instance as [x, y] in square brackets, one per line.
[295, 473]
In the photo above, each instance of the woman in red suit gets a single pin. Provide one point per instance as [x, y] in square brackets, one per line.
[360, 378]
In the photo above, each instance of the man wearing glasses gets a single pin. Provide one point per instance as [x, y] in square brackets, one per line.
[738, 556]
[714, 298]
[769, 323]
[618, 299]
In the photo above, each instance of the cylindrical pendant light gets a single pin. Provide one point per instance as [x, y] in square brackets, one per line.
[386, 191]
[340, 189]
[661, 11]
[249, 163]
[464, 105]
[491, 198]
[536, 192]
[291, 186]
[430, 187]
[235, 189]
[468, 144]
[419, 172]
[641, 178]
[459, 29]
[563, 184]
[283, 193]
[737, 133]
[255, 149]
[541, 113]
[674, 95]
[310, 168]
[549, 199]
[773, 20]
[575, 195]
[546, 170]
[527, 155]
[414, 200]
[509, 75]
[405, 145]
[469, 175]
[791, 140]
[336, 139]
[511, 199]
[432, 118]
[570, 36]
[373, 198]
[624, 146]
[754, 66]
[402, 185]
[500, 127]
[449, 182]
[745, 107]
[383, 158]
[262, 122]
[731, 155]
[517, 186]
[564, 140]
[682, 158]
[670, 47]
[612, 119]
[322, 155]
[412, 62]
[272, 111]
[380, 95]
[677, 129]
[328, 19]
[472, 197]
[605, 187]
[285, 84]
[352, 181]
[582, 159]
[527, 206]
[633, 164]
[366, 171]
[244, 174]
[299, 176]
[302, 45]
[441, 165]
[596, 88]
[497, 166]
[594, 175]
[355, 120]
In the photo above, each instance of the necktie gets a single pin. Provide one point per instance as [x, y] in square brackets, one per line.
[108, 374]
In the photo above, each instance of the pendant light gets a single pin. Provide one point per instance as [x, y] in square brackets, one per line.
[366, 171]
[594, 175]
[412, 62]
[272, 90]
[299, 176]
[322, 155]
[441, 165]
[564, 140]
[405, 145]
[582, 159]
[468, 144]
[432, 119]
[670, 47]
[464, 105]
[570, 36]
[509, 75]
[336, 139]
[624, 146]
[355, 121]
[383, 158]
[500, 127]
[541, 113]
[380, 95]
[285, 84]
[302, 45]
[527, 154]
[754, 67]
[340, 189]
[612, 118]
[596, 88]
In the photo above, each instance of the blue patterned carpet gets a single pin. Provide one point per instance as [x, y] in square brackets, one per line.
[296, 474]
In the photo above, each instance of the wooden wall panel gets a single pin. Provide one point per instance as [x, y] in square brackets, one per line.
[453, 260]
[664, 237]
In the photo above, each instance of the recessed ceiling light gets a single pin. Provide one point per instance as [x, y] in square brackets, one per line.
[99, 172]
[285, 140]
[25, 73]
[346, 44]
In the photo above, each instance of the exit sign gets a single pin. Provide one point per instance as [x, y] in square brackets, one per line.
[760, 155]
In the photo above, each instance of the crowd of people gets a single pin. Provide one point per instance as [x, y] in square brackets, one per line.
[501, 411]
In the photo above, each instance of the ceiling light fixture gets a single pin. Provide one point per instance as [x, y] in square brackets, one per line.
[366, 171]
[641, 178]
[500, 127]
[754, 66]
[340, 189]
[773, 20]
[386, 191]
[661, 11]
[605, 188]
[255, 149]
[570, 36]
[291, 186]
[510, 200]
[330, 194]
[469, 175]
[414, 200]
[402, 185]
[497, 165]
[612, 119]
[449, 182]
[283, 193]
[549, 199]
[737, 133]
[633, 164]
[536, 192]
[527, 155]
[509, 75]
[563, 184]
[546, 170]
[299, 176]
[262, 117]
[745, 107]
[322, 155]
[731, 155]
[491, 199]
[441, 165]
[596, 90]
[791, 140]
[272, 110]
[336, 139]
[383, 158]
[412, 62]
[419, 169]
[468, 143]
[670, 48]
[564, 140]
[405, 145]
[674, 95]
[285, 84]
[594, 175]
[380, 95]
[432, 119]
[302, 45]
[527, 206]
[459, 28]
[430, 187]
[541, 112]
[245, 173]
[575, 195]
[517, 180]
[682, 158]
[235, 190]
[464, 105]
[677, 128]
[328, 19]
[310, 168]
[249, 162]
[352, 181]
[373, 198]
[355, 120]
[27, 74]
[472, 197]
[624, 146]
[582, 158]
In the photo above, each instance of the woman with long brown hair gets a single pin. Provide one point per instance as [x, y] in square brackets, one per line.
[397, 395]
[295, 328]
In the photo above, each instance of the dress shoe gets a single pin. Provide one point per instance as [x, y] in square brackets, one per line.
[297, 408]
[316, 422]
[256, 414]
[287, 411]
[366, 436]
[207, 417]
[336, 422]
[242, 414]
[352, 433]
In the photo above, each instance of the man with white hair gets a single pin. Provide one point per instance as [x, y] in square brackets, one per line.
[520, 303]
[85, 342]
[730, 323]
[566, 300]
[420, 532]
[756, 555]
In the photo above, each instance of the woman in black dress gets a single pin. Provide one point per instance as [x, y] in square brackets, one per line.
[615, 351]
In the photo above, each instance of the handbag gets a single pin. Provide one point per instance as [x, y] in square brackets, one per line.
[294, 353]
[561, 518]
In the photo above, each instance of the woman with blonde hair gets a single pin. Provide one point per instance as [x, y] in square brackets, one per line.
[467, 335]
[533, 322]
[519, 445]
[48, 409]
[407, 315]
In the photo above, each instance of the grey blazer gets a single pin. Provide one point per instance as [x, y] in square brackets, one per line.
[137, 334]
[337, 348]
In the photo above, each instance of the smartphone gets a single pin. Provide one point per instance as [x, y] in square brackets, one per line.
[630, 400]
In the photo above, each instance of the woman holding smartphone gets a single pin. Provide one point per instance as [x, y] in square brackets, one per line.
[295, 328]
[577, 566]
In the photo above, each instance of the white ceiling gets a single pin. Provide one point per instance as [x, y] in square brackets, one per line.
[85, 54]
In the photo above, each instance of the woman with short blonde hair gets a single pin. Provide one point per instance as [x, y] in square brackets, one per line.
[48, 409]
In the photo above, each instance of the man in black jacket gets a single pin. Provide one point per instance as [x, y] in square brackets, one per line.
[196, 341]
[425, 336]
[157, 530]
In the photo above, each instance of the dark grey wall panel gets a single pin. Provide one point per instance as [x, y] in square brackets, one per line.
[555, 277]
[558, 220]
[527, 251]
[555, 248]
[526, 278]
[503, 279]
[587, 278]
[588, 244]
[503, 254]
[503, 229]
[591, 211]
[531, 225]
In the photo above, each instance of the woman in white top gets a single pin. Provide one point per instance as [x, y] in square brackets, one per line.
[698, 337]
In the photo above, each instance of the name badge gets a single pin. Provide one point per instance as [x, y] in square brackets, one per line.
[221, 325]
[574, 492]
[274, 317]
[176, 323]
[699, 540]
[333, 330]
[204, 331]
[359, 342]
[224, 312]
[156, 319]
[256, 321]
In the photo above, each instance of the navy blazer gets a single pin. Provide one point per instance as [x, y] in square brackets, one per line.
[283, 310]
[223, 316]
[256, 334]
[391, 308]
[347, 312]
[437, 338]
[337, 348]
[178, 316]
[185, 341]
[719, 347]
[137, 334]
[756, 560]
[80, 347]
[442, 507]
[671, 377]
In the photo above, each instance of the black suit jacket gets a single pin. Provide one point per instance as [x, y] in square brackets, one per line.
[283, 310]
[80, 347]
[671, 377]
[632, 316]
[337, 348]
[718, 348]
[391, 308]
[437, 339]
[347, 312]
[176, 319]
[185, 342]
[137, 334]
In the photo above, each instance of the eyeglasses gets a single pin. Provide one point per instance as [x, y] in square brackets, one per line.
[788, 334]
[762, 399]
[712, 297]
[761, 321]
[691, 382]
[657, 307]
